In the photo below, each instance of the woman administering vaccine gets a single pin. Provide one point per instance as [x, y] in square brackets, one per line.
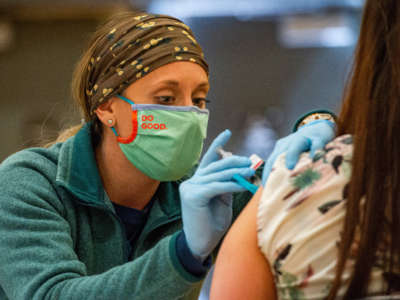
[110, 211]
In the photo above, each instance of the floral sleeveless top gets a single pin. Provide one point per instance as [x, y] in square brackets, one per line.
[300, 216]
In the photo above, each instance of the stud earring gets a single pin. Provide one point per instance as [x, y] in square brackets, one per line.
[110, 121]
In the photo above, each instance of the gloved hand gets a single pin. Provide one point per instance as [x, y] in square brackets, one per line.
[206, 207]
[310, 137]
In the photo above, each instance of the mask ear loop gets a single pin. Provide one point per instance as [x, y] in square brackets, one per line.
[115, 132]
[126, 100]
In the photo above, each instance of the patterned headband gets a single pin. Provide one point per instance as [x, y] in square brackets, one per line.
[135, 48]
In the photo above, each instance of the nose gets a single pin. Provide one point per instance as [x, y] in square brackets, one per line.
[187, 100]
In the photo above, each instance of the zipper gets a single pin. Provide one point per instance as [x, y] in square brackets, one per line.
[127, 247]
[114, 215]
[156, 224]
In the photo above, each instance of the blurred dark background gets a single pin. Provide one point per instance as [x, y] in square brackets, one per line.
[270, 60]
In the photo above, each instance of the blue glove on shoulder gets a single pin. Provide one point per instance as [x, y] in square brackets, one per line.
[206, 198]
[310, 137]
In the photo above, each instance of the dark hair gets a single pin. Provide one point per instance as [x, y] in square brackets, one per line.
[371, 113]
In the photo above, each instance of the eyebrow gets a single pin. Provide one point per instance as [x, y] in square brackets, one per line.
[176, 83]
[205, 85]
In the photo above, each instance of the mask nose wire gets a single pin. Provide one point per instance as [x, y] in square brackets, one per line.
[126, 100]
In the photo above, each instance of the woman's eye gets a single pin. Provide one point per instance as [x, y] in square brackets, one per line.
[166, 99]
[200, 102]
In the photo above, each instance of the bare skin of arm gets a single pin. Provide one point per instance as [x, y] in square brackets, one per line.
[242, 271]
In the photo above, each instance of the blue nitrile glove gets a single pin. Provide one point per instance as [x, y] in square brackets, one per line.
[310, 137]
[206, 199]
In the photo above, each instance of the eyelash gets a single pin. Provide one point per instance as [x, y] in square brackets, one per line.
[199, 100]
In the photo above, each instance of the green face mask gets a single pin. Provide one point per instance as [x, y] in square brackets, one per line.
[166, 141]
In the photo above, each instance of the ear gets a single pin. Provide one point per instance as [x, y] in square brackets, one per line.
[106, 112]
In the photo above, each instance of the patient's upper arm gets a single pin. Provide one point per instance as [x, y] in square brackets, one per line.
[241, 271]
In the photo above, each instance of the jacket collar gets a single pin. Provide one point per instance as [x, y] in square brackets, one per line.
[78, 173]
[77, 168]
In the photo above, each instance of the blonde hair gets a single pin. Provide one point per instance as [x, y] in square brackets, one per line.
[79, 79]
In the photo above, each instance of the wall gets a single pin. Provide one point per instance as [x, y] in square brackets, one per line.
[35, 78]
[253, 75]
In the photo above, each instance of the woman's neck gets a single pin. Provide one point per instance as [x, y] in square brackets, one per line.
[124, 183]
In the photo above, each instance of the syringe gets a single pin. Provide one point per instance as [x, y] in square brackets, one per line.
[256, 162]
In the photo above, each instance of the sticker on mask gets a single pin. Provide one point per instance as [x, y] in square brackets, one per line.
[147, 123]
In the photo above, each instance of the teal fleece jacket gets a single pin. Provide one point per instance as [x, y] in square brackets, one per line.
[61, 239]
